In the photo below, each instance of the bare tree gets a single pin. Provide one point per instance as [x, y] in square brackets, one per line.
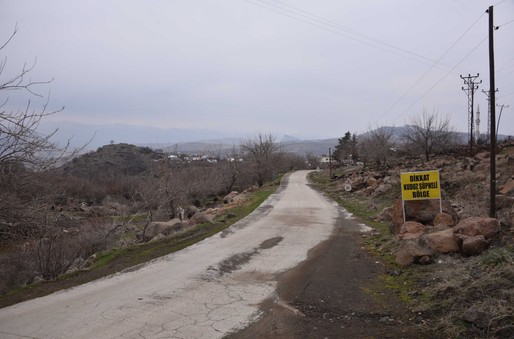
[20, 142]
[376, 145]
[22, 150]
[262, 151]
[429, 133]
[230, 170]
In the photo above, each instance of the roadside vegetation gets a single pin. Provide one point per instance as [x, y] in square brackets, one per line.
[66, 218]
[460, 296]
[121, 258]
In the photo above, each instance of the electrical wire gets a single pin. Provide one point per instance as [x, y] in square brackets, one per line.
[506, 66]
[344, 28]
[332, 27]
[508, 22]
[499, 3]
[431, 68]
[506, 95]
[505, 75]
[327, 25]
[440, 80]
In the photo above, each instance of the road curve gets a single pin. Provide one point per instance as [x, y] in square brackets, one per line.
[205, 291]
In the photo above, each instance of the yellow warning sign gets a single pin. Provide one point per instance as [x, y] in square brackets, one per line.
[420, 185]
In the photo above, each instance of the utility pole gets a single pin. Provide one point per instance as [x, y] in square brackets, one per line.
[478, 124]
[470, 91]
[502, 106]
[488, 94]
[329, 163]
[492, 174]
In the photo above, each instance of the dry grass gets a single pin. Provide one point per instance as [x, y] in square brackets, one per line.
[461, 297]
[472, 297]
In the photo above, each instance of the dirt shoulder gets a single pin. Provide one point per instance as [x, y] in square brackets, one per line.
[334, 294]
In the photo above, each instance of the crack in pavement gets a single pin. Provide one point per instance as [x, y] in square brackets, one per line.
[208, 290]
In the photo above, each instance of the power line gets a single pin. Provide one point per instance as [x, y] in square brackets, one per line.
[508, 22]
[499, 3]
[441, 79]
[430, 69]
[344, 28]
[506, 95]
[507, 65]
[329, 26]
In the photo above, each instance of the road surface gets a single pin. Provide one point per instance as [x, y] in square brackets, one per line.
[208, 290]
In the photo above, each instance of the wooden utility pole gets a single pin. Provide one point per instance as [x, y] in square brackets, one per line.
[329, 163]
[492, 186]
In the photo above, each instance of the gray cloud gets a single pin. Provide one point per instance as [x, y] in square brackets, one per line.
[234, 65]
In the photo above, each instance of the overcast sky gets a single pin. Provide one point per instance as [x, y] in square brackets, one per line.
[311, 69]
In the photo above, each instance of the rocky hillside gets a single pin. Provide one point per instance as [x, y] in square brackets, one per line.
[461, 261]
[116, 159]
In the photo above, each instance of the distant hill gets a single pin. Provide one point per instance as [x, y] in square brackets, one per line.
[111, 160]
[99, 135]
[224, 147]
[216, 143]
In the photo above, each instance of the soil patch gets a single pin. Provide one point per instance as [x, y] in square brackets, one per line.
[333, 294]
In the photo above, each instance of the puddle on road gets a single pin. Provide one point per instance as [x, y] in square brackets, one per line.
[236, 261]
[271, 242]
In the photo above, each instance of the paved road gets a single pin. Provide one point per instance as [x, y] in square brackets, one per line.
[205, 291]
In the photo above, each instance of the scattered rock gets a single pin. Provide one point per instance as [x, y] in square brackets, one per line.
[199, 218]
[411, 252]
[381, 189]
[191, 210]
[473, 245]
[444, 219]
[508, 188]
[441, 242]
[422, 211]
[239, 198]
[487, 227]
[411, 230]
[161, 227]
[230, 197]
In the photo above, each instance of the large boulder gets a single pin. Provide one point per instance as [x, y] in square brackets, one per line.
[199, 218]
[487, 227]
[441, 242]
[422, 211]
[381, 189]
[473, 245]
[444, 220]
[411, 230]
[161, 227]
[230, 197]
[411, 252]
[191, 210]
